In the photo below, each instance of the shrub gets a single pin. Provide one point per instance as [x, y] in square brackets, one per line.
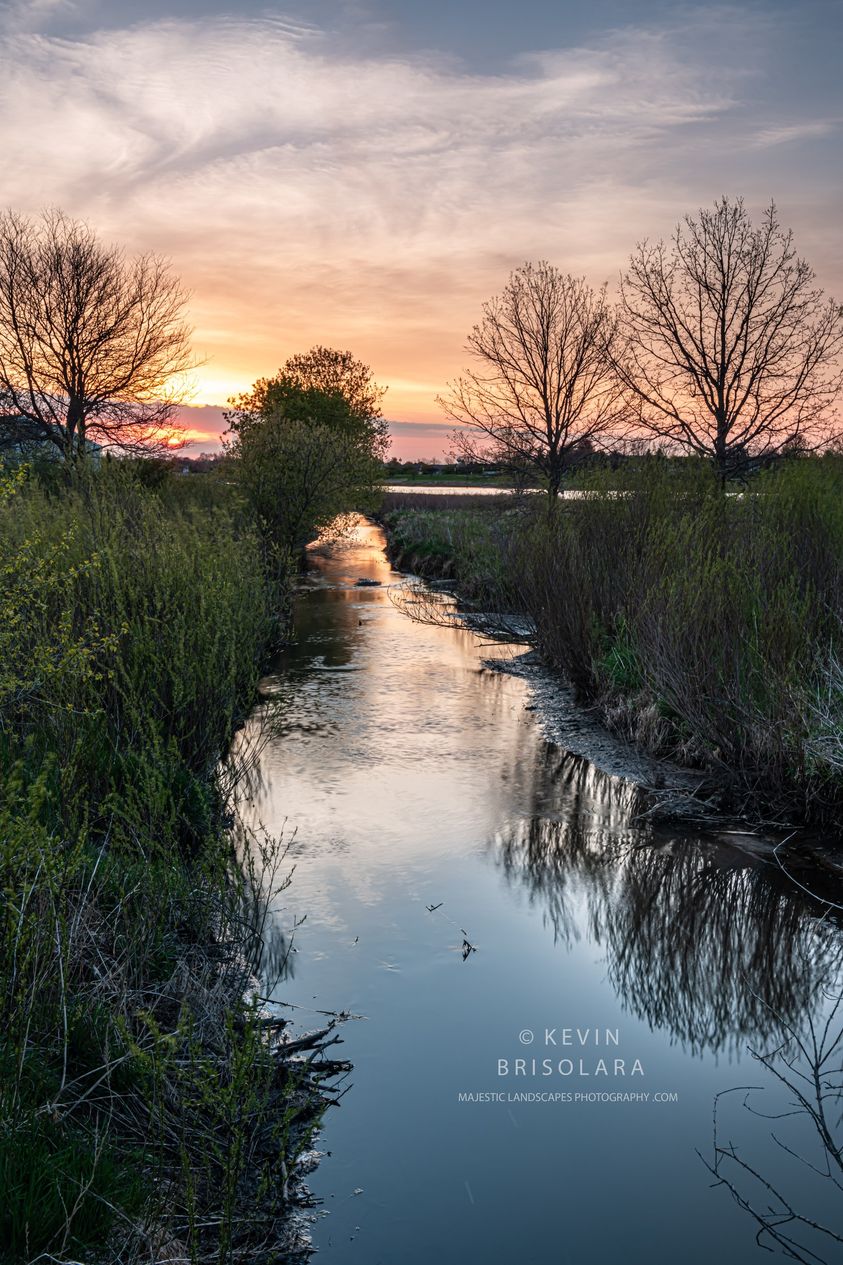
[133, 624]
[721, 611]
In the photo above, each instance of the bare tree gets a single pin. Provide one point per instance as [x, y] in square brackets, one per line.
[729, 348]
[542, 395]
[89, 340]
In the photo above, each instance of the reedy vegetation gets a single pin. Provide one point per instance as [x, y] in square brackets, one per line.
[707, 628]
[142, 1108]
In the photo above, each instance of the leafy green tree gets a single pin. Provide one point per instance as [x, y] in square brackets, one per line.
[326, 369]
[321, 384]
[309, 445]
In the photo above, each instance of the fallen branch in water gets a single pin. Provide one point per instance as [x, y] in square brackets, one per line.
[467, 947]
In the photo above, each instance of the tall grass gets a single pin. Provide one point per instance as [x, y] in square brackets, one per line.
[453, 500]
[468, 539]
[703, 623]
[708, 627]
[139, 1101]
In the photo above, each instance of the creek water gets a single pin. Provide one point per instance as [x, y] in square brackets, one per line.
[405, 774]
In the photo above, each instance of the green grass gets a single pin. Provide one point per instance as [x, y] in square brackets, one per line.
[469, 544]
[135, 615]
[49, 1170]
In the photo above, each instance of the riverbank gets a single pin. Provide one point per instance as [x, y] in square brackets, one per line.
[703, 630]
[438, 551]
[150, 1107]
[428, 810]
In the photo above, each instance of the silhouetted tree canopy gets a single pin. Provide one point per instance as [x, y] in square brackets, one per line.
[729, 349]
[89, 340]
[542, 393]
[308, 444]
[322, 384]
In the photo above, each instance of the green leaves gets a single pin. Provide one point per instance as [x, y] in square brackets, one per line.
[133, 626]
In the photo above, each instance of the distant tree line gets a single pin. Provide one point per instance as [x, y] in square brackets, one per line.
[720, 345]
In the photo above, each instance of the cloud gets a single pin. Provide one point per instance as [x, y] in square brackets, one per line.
[23, 15]
[430, 430]
[244, 108]
[203, 426]
[311, 194]
[811, 129]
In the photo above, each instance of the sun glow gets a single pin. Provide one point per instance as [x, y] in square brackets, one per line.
[213, 386]
[217, 389]
[307, 192]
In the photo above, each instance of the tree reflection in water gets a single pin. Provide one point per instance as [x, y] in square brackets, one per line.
[713, 944]
[703, 940]
[807, 1135]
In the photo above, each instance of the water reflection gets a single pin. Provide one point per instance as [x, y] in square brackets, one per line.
[702, 939]
[407, 777]
[809, 1136]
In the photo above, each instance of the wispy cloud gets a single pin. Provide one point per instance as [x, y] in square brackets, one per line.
[23, 15]
[785, 134]
[309, 194]
[203, 427]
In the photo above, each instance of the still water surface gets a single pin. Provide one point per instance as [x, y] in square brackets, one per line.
[414, 776]
[450, 489]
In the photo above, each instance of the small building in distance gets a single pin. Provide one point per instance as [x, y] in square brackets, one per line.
[23, 440]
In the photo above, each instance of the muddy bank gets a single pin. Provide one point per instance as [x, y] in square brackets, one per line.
[670, 792]
[622, 736]
[427, 564]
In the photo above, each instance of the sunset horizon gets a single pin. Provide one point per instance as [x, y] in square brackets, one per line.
[367, 177]
[421, 632]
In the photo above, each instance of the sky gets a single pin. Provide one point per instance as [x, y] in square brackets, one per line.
[364, 174]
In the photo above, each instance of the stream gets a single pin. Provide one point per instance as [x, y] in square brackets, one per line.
[479, 897]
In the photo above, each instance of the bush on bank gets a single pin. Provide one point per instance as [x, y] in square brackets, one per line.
[708, 627]
[140, 1104]
[443, 538]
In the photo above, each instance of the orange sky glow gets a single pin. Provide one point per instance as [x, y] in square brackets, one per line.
[313, 190]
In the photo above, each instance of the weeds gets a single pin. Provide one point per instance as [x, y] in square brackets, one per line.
[707, 626]
[471, 545]
[145, 1102]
